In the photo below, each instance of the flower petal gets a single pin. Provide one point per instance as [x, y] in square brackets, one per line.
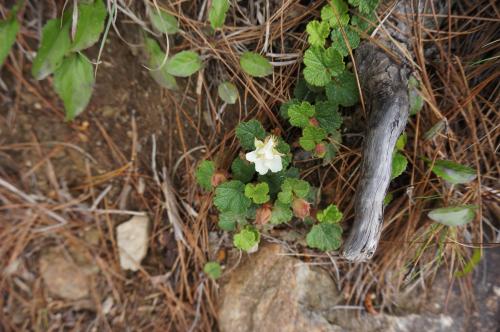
[275, 164]
[251, 156]
[260, 167]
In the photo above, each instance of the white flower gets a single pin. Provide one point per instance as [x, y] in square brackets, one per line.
[265, 156]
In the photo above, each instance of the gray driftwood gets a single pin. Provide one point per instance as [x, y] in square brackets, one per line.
[385, 91]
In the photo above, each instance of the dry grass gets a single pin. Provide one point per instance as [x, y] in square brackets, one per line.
[456, 57]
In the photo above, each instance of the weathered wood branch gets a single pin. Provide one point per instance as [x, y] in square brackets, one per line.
[384, 85]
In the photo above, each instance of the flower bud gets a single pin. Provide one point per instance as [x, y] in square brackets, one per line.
[301, 208]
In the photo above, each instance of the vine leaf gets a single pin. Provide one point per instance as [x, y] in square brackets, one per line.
[343, 90]
[73, 82]
[217, 13]
[321, 65]
[54, 46]
[163, 21]
[91, 18]
[229, 196]
[204, 173]
[158, 68]
[300, 114]
[325, 237]
[184, 64]
[318, 32]
[311, 136]
[8, 31]
[247, 239]
[248, 131]
[255, 64]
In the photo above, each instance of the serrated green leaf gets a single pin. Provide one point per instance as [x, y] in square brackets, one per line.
[73, 82]
[212, 270]
[217, 13]
[343, 90]
[453, 172]
[228, 220]
[401, 142]
[162, 21]
[399, 163]
[229, 196]
[242, 170]
[300, 114]
[286, 106]
[321, 65]
[228, 92]
[184, 64]
[247, 239]
[8, 32]
[365, 22]
[53, 47]
[415, 99]
[325, 237]
[281, 213]
[365, 6]
[311, 136]
[339, 43]
[318, 32]
[330, 215]
[204, 173]
[453, 216]
[248, 131]
[157, 64]
[335, 13]
[91, 18]
[255, 64]
[292, 187]
[328, 116]
[258, 193]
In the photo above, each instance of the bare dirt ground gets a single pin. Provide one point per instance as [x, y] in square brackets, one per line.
[67, 185]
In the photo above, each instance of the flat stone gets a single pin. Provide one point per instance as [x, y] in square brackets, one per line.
[63, 277]
[132, 237]
[274, 292]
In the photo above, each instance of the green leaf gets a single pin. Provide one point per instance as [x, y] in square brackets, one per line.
[318, 32]
[401, 142]
[399, 163]
[8, 32]
[217, 13]
[281, 213]
[343, 90]
[248, 131]
[325, 237]
[229, 196]
[212, 270]
[328, 116]
[162, 21]
[453, 216]
[365, 6]
[259, 193]
[73, 82]
[293, 187]
[158, 66]
[228, 92]
[228, 220]
[365, 22]
[330, 215]
[415, 99]
[338, 41]
[469, 267]
[321, 65]
[184, 64]
[242, 170]
[204, 173]
[300, 114]
[335, 13]
[247, 239]
[388, 198]
[311, 136]
[53, 47]
[453, 172]
[91, 18]
[255, 64]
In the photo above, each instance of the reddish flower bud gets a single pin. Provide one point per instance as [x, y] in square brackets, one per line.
[263, 214]
[218, 178]
[301, 208]
[320, 150]
[314, 122]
